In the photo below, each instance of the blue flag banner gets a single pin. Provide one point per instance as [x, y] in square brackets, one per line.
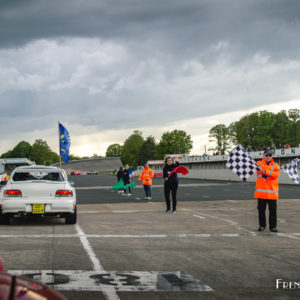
[64, 143]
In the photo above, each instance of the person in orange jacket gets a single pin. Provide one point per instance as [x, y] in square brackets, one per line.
[146, 178]
[266, 191]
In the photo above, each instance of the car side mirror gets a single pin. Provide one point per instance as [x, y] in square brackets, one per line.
[72, 183]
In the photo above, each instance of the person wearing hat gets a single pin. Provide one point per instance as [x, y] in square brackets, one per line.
[266, 190]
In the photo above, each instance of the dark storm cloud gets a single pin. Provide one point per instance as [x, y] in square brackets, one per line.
[185, 26]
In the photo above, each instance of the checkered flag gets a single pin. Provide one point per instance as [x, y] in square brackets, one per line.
[241, 163]
[291, 169]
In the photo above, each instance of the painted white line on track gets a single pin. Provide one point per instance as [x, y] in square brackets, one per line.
[132, 211]
[233, 223]
[109, 292]
[115, 211]
[289, 236]
[150, 236]
[87, 246]
[153, 186]
[281, 220]
[88, 212]
[200, 217]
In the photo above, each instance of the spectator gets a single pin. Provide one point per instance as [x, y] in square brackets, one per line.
[171, 183]
[126, 179]
[119, 177]
[146, 178]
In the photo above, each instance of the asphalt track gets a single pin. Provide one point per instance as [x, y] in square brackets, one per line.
[128, 248]
[97, 190]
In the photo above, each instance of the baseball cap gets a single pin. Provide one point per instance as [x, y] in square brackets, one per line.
[268, 151]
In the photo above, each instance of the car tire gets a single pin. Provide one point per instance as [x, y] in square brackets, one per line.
[71, 218]
[4, 219]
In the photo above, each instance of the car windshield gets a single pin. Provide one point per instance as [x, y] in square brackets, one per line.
[38, 175]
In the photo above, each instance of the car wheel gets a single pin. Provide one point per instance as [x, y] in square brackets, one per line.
[4, 219]
[71, 218]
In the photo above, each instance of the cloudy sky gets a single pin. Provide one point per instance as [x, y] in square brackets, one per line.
[107, 68]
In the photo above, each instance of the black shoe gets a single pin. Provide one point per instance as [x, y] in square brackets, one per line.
[167, 210]
[261, 228]
[274, 229]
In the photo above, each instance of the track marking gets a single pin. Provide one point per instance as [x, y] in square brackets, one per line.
[152, 236]
[153, 186]
[281, 220]
[186, 209]
[115, 211]
[200, 217]
[129, 281]
[87, 247]
[108, 291]
[289, 235]
[233, 223]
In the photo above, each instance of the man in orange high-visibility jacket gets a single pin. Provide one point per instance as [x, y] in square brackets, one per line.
[146, 178]
[266, 191]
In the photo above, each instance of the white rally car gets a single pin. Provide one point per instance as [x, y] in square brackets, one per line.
[38, 190]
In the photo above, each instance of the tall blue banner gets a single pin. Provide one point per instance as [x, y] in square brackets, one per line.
[64, 143]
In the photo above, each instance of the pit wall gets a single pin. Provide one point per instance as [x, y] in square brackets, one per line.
[213, 167]
[228, 175]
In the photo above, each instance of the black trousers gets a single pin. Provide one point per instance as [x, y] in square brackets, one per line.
[171, 186]
[129, 189]
[261, 206]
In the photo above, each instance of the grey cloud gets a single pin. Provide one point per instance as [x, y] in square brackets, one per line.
[185, 26]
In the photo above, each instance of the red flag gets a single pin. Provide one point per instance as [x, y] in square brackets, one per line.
[180, 169]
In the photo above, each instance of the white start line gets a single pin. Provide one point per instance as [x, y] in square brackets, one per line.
[109, 281]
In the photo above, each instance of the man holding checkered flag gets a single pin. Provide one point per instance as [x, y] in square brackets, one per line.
[266, 189]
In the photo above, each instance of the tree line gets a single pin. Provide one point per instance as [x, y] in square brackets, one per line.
[39, 152]
[137, 150]
[254, 131]
[258, 130]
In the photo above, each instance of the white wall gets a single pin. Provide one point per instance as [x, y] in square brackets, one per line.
[228, 175]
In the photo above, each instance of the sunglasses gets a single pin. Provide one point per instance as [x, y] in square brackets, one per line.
[268, 155]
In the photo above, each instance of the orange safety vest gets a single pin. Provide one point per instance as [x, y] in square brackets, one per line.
[147, 176]
[267, 186]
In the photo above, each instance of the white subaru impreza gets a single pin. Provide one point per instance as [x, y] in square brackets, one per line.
[38, 191]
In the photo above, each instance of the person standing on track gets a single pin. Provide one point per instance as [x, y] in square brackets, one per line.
[266, 191]
[171, 183]
[126, 179]
[120, 176]
[146, 178]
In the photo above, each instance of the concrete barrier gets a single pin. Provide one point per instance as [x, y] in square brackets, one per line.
[228, 175]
